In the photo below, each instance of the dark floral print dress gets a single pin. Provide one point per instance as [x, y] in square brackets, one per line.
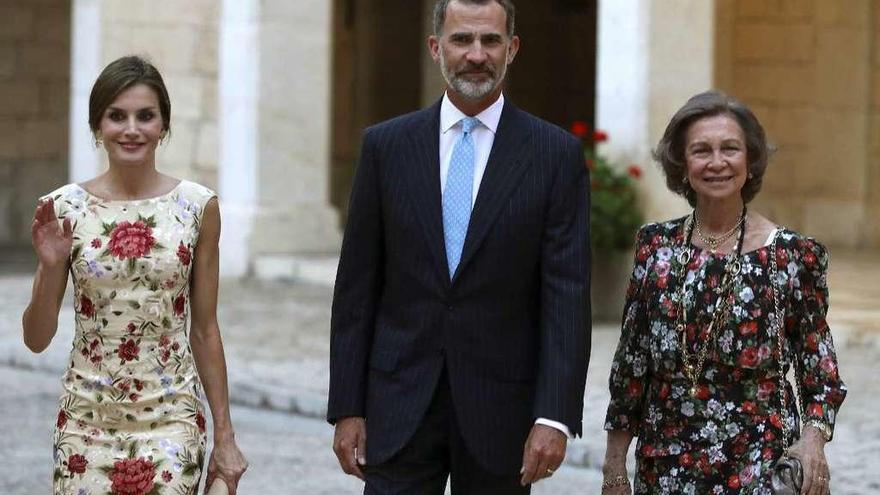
[131, 420]
[722, 437]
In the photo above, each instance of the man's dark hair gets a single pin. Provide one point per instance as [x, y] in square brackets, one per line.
[441, 6]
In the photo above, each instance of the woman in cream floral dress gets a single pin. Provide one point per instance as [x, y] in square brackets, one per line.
[142, 249]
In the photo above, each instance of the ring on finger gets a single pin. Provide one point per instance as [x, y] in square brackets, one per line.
[550, 471]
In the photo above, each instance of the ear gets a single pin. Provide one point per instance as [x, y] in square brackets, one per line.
[434, 47]
[512, 49]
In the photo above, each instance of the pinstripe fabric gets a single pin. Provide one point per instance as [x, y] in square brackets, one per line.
[512, 326]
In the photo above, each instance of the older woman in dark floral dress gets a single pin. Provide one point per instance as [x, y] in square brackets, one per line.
[696, 376]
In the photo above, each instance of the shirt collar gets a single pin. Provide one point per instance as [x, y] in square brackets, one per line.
[451, 115]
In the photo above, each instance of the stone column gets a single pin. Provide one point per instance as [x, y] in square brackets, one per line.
[653, 55]
[294, 221]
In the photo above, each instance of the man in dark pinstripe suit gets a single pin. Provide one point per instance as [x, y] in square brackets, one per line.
[460, 333]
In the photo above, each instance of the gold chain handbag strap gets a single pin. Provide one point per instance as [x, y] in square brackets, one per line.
[779, 323]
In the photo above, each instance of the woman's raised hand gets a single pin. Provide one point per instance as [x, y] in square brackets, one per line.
[52, 242]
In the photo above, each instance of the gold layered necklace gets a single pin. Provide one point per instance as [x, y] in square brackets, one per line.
[695, 361]
[714, 242]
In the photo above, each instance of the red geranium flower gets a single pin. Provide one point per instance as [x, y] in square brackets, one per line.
[96, 243]
[184, 254]
[131, 240]
[600, 136]
[77, 463]
[634, 171]
[580, 128]
[86, 308]
[62, 419]
[128, 350]
[132, 477]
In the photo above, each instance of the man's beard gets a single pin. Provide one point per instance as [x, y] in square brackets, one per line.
[470, 89]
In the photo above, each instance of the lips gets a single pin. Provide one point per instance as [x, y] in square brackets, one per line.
[130, 146]
[718, 180]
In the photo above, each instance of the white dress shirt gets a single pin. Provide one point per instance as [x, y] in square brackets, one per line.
[484, 137]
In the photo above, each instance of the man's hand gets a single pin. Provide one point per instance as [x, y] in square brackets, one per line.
[350, 445]
[544, 452]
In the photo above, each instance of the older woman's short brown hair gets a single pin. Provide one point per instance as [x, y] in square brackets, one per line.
[120, 75]
[670, 150]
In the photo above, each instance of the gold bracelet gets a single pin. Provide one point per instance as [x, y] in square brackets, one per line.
[820, 425]
[619, 480]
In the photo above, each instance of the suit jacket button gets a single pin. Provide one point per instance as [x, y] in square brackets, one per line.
[449, 308]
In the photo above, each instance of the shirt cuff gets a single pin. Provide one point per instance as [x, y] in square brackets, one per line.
[554, 424]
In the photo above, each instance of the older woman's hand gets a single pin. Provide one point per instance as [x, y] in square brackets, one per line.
[227, 463]
[810, 450]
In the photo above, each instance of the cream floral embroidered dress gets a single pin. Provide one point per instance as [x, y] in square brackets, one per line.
[131, 420]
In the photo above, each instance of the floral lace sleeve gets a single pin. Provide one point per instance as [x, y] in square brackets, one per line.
[822, 390]
[629, 369]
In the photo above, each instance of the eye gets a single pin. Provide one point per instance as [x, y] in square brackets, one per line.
[146, 115]
[116, 116]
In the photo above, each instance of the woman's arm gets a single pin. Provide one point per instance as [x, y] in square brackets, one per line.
[52, 243]
[226, 461]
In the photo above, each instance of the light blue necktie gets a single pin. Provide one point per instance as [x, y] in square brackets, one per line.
[458, 195]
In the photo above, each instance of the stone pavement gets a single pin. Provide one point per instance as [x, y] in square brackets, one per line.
[277, 342]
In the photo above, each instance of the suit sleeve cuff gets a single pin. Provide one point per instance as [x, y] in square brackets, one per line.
[554, 424]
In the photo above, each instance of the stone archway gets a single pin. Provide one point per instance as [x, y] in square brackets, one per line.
[34, 86]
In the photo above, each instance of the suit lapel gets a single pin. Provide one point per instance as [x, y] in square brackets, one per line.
[425, 183]
[503, 172]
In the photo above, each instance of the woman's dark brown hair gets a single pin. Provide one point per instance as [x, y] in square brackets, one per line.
[670, 150]
[120, 75]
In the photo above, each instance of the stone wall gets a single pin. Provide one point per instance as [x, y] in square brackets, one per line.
[34, 80]
[805, 68]
[874, 130]
[181, 39]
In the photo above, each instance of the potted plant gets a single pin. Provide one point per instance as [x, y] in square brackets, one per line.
[615, 217]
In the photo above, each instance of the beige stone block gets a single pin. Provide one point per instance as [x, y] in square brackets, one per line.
[34, 179]
[170, 48]
[787, 173]
[8, 55]
[205, 58]
[177, 155]
[789, 125]
[207, 148]
[840, 154]
[45, 60]
[780, 84]
[770, 42]
[9, 140]
[300, 12]
[835, 222]
[209, 99]
[842, 67]
[55, 99]
[186, 97]
[16, 21]
[853, 13]
[19, 99]
[166, 12]
[876, 87]
[777, 10]
[45, 138]
[54, 22]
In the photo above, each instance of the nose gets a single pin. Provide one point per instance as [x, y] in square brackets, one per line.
[476, 54]
[131, 125]
[718, 159]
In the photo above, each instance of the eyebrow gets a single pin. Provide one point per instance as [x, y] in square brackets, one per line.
[117, 109]
[485, 37]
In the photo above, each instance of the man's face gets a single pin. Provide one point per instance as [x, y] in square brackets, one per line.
[474, 48]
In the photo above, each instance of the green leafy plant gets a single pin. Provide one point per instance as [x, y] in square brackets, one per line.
[615, 215]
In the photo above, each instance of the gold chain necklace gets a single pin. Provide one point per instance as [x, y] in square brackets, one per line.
[714, 242]
[694, 362]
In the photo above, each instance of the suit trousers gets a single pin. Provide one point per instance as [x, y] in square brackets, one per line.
[435, 453]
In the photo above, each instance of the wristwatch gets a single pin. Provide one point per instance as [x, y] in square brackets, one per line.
[822, 426]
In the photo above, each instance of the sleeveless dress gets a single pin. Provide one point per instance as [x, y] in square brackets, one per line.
[131, 419]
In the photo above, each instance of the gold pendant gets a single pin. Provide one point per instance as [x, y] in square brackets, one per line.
[693, 391]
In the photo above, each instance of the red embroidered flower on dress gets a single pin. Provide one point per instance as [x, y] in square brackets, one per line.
[179, 305]
[86, 308]
[128, 350]
[62, 419]
[200, 421]
[580, 128]
[167, 477]
[184, 254]
[96, 243]
[77, 463]
[132, 477]
[131, 240]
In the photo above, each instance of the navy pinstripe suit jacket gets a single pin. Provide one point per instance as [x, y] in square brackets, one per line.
[512, 326]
